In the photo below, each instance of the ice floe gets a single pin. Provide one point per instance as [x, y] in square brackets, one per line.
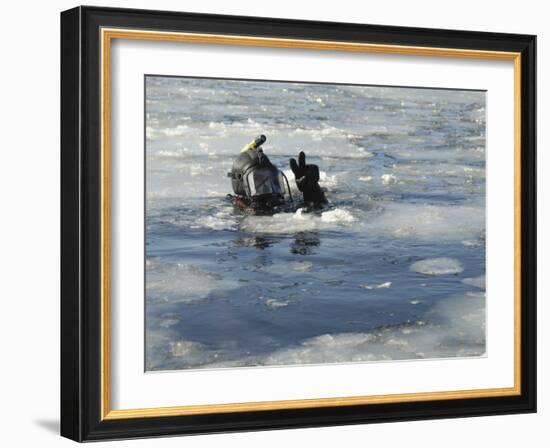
[289, 223]
[384, 285]
[438, 266]
[177, 282]
[478, 282]
[274, 303]
[454, 327]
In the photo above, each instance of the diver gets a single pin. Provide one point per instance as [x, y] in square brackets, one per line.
[259, 186]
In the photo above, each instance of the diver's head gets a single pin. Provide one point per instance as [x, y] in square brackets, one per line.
[254, 176]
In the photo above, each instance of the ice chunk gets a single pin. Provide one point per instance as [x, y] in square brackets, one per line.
[327, 181]
[478, 282]
[274, 303]
[290, 223]
[388, 179]
[338, 216]
[301, 266]
[169, 321]
[438, 266]
[456, 329]
[380, 286]
[428, 222]
[178, 282]
[185, 348]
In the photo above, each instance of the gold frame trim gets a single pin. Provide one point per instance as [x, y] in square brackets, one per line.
[107, 35]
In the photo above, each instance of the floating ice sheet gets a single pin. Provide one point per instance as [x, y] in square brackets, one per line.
[438, 266]
[454, 327]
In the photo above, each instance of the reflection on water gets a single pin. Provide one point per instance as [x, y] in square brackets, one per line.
[305, 243]
[258, 242]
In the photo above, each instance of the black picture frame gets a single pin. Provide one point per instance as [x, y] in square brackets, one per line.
[81, 381]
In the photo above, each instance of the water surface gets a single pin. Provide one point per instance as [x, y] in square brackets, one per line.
[392, 269]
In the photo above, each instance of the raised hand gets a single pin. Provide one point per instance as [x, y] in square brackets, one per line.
[307, 180]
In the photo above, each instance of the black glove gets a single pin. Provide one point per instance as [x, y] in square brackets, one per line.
[307, 180]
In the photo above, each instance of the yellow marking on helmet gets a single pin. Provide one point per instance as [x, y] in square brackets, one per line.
[248, 146]
[256, 143]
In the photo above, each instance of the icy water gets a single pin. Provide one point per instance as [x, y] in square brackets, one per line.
[394, 268]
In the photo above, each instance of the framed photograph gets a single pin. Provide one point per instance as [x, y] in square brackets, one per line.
[273, 223]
